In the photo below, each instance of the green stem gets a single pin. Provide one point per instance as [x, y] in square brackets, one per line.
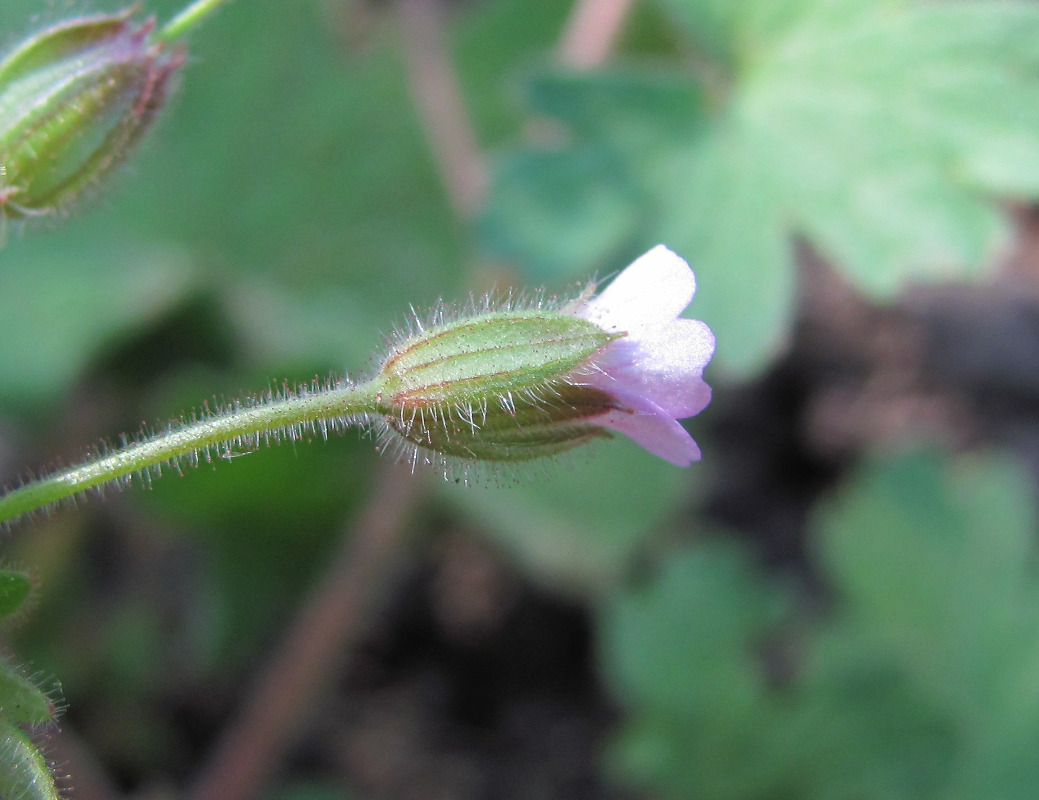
[187, 19]
[242, 426]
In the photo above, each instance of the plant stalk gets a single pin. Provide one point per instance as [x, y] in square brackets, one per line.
[187, 19]
[242, 426]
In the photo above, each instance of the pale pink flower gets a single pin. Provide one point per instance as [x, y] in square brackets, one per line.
[655, 371]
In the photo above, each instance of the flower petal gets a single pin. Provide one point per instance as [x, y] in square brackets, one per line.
[664, 364]
[653, 428]
[654, 371]
[657, 286]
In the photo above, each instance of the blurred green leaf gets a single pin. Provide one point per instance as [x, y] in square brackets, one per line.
[578, 521]
[682, 652]
[920, 682]
[878, 130]
[309, 791]
[936, 565]
[959, 547]
[66, 299]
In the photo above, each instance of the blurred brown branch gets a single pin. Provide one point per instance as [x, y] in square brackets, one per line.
[592, 31]
[441, 107]
[314, 646]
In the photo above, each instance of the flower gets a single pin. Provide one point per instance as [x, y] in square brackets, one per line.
[75, 98]
[518, 383]
[654, 372]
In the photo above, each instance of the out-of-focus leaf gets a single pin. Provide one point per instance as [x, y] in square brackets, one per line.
[576, 524]
[65, 299]
[958, 547]
[878, 130]
[552, 211]
[728, 29]
[683, 652]
[18, 588]
[920, 682]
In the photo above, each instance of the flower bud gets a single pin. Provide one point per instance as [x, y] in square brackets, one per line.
[17, 590]
[21, 700]
[518, 384]
[493, 387]
[74, 100]
[24, 772]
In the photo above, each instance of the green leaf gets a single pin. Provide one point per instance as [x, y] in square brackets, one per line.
[553, 213]
[731, 29]
[578, 524]
[683, 651]
[957, 546]
[65, 298]
[918, 682]
[880, 131]
[713, 610]
[935, 566]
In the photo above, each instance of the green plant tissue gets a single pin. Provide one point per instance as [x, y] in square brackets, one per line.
[918, 680]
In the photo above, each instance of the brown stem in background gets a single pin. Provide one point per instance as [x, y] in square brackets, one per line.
[592, 31]
[440, 105]
[315, 645]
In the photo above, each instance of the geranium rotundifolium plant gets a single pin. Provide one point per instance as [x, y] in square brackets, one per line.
[499, 383]
[509, 383]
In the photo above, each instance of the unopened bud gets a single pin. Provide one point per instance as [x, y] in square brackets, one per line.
[518, 384]
[74, 100]
[495, 387]
[17, 590]
[21, 700]
[25, 774]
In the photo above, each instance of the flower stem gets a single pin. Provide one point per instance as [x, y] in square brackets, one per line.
[242, 426]
[187, 19]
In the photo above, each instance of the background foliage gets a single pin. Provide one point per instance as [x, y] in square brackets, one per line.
[839, 602]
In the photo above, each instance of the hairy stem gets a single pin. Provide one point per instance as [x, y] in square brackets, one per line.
[280, 417]
[187, 19]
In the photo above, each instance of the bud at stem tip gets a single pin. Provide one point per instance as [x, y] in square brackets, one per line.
[515, 384]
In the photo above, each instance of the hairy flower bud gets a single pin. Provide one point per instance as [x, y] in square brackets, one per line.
[74, 100]
[493, 387]
[25, 774]
[21, 700]
[519, 383]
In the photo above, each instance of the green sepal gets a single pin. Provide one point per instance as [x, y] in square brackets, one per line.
[24, 772]
[486, 356]
[23, 701]
[17, 588]
[499, 386]
[64, 40]
[545, 424]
